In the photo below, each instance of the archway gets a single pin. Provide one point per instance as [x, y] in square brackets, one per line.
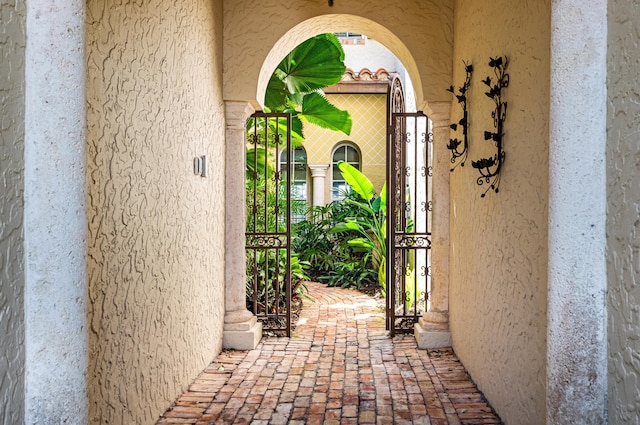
[339, 23]
[242, 331]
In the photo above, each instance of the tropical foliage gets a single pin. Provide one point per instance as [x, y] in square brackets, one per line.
[332, 260]
[296, 84]
[369, 224]
[295, 88]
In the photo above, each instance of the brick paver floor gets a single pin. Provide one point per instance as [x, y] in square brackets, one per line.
[338, 367]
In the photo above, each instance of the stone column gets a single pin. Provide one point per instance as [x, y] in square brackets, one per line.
[242, 331]
[55, 224]
[318, 174]
[432, 331]
[576, 313]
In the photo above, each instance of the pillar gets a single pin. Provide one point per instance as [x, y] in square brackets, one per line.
[56, 340]
[242, 331]
[318, 175]
[576, 313]
[432, 331]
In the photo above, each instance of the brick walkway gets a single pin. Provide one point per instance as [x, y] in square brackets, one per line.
[339, 367]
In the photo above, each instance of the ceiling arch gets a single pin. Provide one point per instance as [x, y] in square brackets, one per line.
[336, 23]
[256, 39]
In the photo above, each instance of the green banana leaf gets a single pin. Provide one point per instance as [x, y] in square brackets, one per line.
[346, 226]
[363, 243]
[358, 181]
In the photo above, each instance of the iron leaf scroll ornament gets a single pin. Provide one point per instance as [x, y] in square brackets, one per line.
[460, 148]
[490, 167]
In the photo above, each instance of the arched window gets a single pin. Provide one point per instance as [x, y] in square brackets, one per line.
[298, 181]
[348, 153]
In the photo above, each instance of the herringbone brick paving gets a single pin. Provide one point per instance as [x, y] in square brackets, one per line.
[339, 367]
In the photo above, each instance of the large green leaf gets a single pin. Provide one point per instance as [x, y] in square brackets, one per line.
[345, 227]
[275, 97]
[313, 64]
[366, 207]
[317, 110]
[361, 243]
[358, 181]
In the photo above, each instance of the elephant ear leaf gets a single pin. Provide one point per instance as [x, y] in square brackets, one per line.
[359, 182]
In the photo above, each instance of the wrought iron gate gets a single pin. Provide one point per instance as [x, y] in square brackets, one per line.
[409, 209]
[268, 232]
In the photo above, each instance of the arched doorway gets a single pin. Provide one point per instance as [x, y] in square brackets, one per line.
[240, 86]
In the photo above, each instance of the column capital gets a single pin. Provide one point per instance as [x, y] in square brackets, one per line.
[236, 113]
[319, 170]
[438, 112]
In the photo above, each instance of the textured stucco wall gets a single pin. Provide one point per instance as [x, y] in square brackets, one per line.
[623, 209]
[498, 275]
[12, 87]
[156, 230]
[419, 32]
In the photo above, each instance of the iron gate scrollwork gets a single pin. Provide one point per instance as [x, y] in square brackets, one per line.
[409, 209]
[268, 231]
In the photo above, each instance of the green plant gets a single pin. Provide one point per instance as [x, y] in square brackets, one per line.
[295, 86]
[370, 224]
[347, 274]
[313, 242]
[266, 278]
[266, 268]
[299, 277]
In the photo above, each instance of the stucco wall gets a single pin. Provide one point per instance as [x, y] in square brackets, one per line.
[12, 87]
[368, 133]
[623, 206]
[419, 32]
[499, 243]
[156, 230]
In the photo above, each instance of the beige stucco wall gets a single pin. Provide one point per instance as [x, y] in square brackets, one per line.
[156, 230]
[499, 250]
[623, 204]
[368, 133]
[421, 39]
[12, 104]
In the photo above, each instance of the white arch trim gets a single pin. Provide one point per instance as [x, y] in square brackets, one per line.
[338, 23]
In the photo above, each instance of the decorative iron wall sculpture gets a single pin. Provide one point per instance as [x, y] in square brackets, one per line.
[490, 167]
[460, 148]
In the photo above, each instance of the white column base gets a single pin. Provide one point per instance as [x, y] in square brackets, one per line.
[243, 335]
[432, 335]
